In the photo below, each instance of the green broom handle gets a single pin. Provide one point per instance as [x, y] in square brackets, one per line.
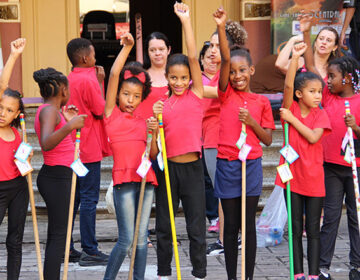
[288, 202]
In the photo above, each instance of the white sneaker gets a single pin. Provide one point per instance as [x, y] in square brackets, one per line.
[199, 278]
[163, 278]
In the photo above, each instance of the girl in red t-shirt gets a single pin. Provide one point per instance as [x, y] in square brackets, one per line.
[239, 106]
[342, 85]
[53, 129]
[127, 136]
[308, 124]
[13, 187]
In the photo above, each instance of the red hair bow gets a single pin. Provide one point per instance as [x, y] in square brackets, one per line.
[141, 76]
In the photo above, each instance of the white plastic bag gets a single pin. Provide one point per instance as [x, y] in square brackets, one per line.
[270, 225]
[109, 198]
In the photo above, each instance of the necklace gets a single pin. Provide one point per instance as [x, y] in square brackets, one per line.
[173, 104]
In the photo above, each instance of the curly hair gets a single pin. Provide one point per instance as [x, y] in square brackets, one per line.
[347, 65]
[49, 81]
[237, 33]
[136, 69]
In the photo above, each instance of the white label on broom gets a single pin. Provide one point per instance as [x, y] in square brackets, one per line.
[284, 172]
[79, 168]
[23, 152]
[347, 156]
[158, 140]
[160, 161]
[244, 152]
[241, 140]
[345, 141]
[143, 167]
[289, 154]
[24, 167]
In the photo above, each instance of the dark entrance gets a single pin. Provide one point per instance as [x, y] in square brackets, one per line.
[157, 15]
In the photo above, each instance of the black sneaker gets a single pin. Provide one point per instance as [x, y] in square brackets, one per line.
[93, 260]
[214, 249]
[324, 276]
[74, 256]
[354, 274]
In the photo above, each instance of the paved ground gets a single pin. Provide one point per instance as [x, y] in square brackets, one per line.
[271, 262]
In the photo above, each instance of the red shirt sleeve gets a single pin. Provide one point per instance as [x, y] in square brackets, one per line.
[267, 119]
[322, 121]
[223, 95]
[93, 98]
[114, 115]
[326, 96]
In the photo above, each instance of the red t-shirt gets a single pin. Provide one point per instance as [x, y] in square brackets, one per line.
[211, 120]
[230, 126]
[127, 136]
[307, 170]
[145, 108]
[63, 153]
[8, 168]
[334, 105]
[85, 94]
[182, 117]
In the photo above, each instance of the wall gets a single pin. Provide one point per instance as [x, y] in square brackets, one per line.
[9, 32]
[201, 15]
[47, 26]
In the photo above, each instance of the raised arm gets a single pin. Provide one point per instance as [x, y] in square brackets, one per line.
[305, 26]
[183, 13]
[127, 41]
[349, 13]
[283, 62]
[220, 19]
[17, 47]
[297, 51]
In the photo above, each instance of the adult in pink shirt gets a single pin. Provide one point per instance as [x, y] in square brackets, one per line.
[157, 50]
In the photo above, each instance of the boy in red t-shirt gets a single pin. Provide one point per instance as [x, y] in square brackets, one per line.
[85, 83]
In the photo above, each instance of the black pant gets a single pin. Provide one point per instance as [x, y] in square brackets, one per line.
[232, 225]
[339, 182]
[54, 184]
[313, 206]
[14, 196]
[187, 185]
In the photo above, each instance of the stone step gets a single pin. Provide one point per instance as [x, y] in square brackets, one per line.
[271, 158]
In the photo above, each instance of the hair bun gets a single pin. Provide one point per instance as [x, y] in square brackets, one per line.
[239, 47]
[44, 75]
[237, 32]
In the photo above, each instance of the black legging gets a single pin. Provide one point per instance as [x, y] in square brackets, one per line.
[54, 184]
[313, 206]
[14, 197]
[232, 225]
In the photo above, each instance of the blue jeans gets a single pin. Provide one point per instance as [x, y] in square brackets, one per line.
[87, 197]
[126, 198]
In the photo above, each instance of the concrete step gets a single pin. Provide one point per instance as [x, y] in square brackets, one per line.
[271, 158]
